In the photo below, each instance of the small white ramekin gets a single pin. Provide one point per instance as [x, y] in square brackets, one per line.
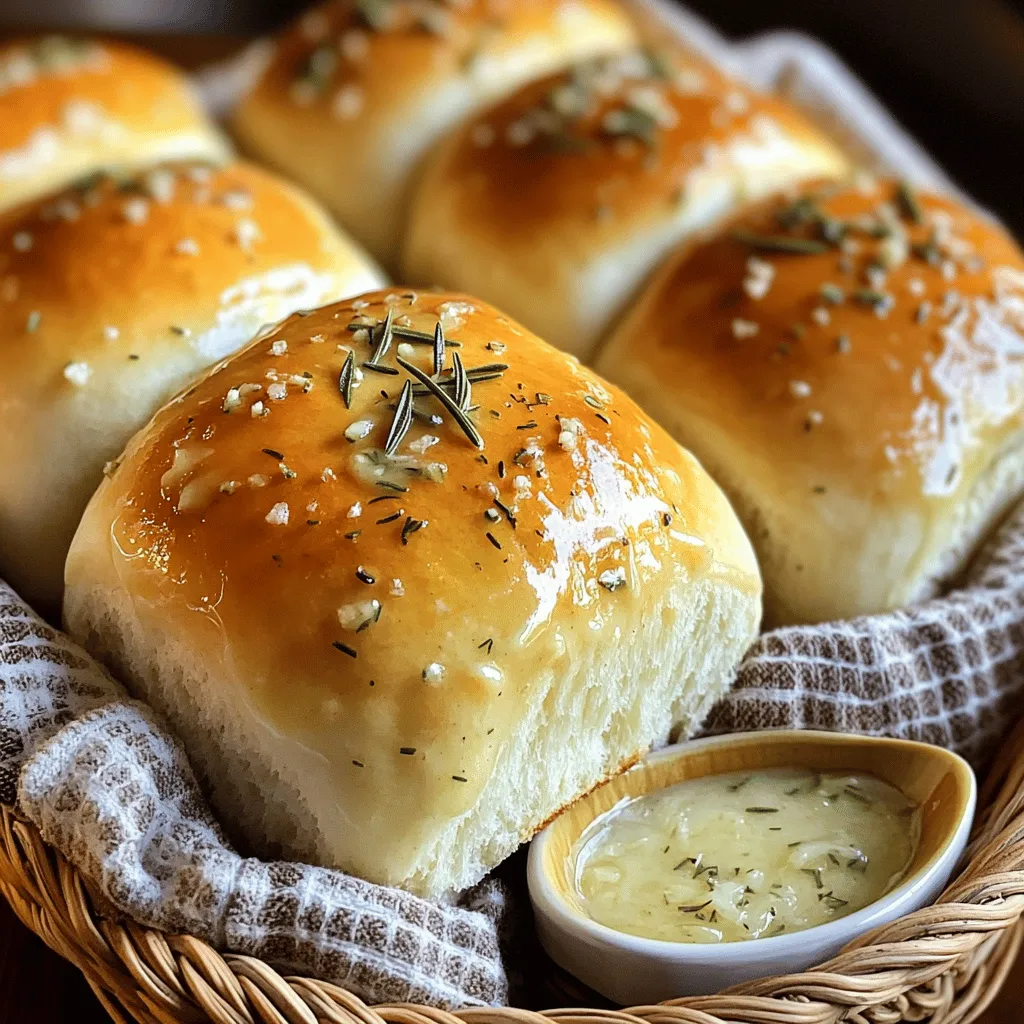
[631, 970]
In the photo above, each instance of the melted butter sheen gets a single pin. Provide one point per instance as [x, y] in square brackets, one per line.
[743, 856]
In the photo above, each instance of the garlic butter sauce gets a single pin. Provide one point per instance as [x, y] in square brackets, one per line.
[746, 855]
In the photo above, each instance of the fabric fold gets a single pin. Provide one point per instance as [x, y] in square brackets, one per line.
[948, 671]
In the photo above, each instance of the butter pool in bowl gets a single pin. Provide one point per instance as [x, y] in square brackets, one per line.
[643, 858]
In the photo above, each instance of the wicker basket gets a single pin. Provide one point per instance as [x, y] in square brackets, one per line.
[942, 964]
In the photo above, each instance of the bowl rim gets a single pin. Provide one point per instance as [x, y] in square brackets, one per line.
[548, 900]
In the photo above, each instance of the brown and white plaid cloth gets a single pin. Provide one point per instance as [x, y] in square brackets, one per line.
[113, 791]
[949, 671]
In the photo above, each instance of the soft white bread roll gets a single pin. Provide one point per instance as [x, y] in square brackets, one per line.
[558, 203]
[402, 665]
[848, 364]
[115, 295]
[69, 107]
[356, 93]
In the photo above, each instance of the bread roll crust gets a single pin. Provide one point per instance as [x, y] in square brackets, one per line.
[862, 404]
[69, 107]
[556, 203]
[115, 294]
[412, 635]
[352, 100]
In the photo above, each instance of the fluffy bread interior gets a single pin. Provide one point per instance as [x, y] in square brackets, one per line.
[591, 714]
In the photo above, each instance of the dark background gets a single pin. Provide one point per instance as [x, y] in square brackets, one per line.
[951, 70]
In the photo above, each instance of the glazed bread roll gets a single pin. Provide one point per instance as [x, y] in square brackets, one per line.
[398, 633]
[112, 297]
[558, 203]
[69, 107]
[847, 363]
[357, 92]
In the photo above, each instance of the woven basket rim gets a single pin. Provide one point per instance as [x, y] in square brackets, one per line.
[942, 963]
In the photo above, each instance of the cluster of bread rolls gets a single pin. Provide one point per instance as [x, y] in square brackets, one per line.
[405, 578]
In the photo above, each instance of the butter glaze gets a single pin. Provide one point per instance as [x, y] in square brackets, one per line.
[861, 398]
[746, 855]
[537, 554]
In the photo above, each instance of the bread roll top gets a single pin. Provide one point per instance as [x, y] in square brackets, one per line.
[557, 202]
[384, 576]
[69, 107]
[844, 357]
[116, 293]
[356, 93]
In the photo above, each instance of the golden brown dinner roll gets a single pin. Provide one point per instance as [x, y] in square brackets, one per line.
[559, 202]
[357, 92]
[849, 364]
[69, 107]
[397, 632]
[112, 297]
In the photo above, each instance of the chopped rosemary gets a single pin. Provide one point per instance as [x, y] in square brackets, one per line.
[692, 909]
[779, 243]
[467, 426]
[506, 512]
[461, 379]
[345, 379]
[402, 421]
[762, 810]
[277, 456]
[815, 873]
[909, 205]
[344, 648]
[438, 349]
[375, 368]
[410, 527]
[832, 901]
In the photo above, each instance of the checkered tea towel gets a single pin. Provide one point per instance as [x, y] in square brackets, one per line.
[949, 671]
[110, 788]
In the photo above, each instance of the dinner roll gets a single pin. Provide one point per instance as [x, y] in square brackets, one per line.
[113, 296]
[396, 632]
[71, 106]
[849, 364]
[560, 201]
[357, 92]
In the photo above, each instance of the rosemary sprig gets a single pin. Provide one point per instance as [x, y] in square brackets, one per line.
[909, 205]
[467, 426]
[389, 371]
[410, 527]
[431, 419]
[780, 243]
[345, 379]
[383, 345]
[438, 349]
[630, 122]
[461, 380]
[402, 421]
